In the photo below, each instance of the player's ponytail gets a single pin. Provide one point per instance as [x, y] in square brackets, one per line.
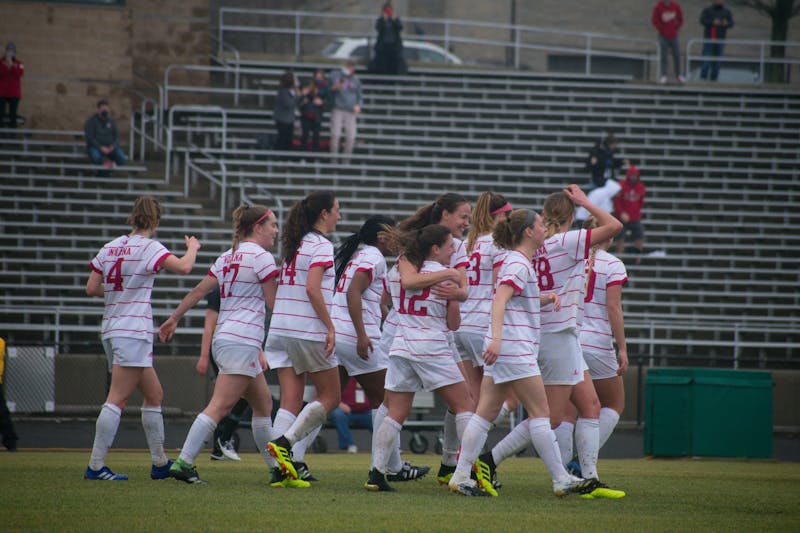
[488, 205]
[245, 219]
[432, 213]
[301, 219]
[368, 234]
[416, 244]
[557, 210]
[590, 223]
[146, 213]
[507, 233]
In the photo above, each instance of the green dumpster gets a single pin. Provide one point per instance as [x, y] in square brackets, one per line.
[708, 412]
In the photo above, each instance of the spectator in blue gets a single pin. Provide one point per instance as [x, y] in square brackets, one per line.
[102, 138]
[354, 410]
[716, 19]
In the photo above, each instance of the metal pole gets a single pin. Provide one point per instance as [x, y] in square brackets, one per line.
[736, 346]
[517, 43]
[588, 62]
[447, 35]
[761, 63]
[297, 36]
[652, 348]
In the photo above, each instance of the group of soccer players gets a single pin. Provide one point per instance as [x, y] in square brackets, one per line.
[524, 310]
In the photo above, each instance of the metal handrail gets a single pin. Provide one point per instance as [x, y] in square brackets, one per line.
[446, 37]
[222, 182]
[762, 58]
[171, 126]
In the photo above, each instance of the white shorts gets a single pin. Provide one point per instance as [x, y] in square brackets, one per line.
[125, 351]
[560, 358]
[236, 358]
[275, 352]
[355, 366]
[502, 372]
[602, 365]
[470, 347]
[309, 356]
[405, 375]
[451, 341]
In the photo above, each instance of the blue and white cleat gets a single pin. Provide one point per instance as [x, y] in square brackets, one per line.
[160, 472]
[104, 474]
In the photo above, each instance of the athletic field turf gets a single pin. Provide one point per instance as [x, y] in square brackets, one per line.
[45, 491]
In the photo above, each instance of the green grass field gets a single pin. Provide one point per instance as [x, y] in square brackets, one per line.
[44, 491]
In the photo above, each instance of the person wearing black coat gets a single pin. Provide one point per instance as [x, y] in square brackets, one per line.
[389, 45]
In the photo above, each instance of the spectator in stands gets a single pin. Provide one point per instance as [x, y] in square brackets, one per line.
[389, 44]
[355, 410]
[11, 72]
[6, 425]
[346, 88]
[286, 102]
[716, 19]
[312, 107]
[628, 209]
[602, 163]
[668, 18]
[102, 138]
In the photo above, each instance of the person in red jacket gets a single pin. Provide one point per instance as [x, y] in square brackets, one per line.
[628, 209]
[668, 18]
[355, 410]
[11, 72]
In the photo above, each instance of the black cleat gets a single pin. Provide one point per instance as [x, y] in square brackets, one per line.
[409, 472]
[377, 482]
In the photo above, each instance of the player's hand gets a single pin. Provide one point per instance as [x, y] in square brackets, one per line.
[625, 218]
[555, 299]
[446, 290]
[575, 194]
[202, 365]
[356, 109]
[491, 352]
[364, 347]
[622, 359]
[191, 242]
[167, 329]
[262, 360]
[330, 342]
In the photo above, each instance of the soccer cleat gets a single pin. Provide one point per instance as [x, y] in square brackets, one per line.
[104, 474]
[409, 472]
[279, 480]
[281, 450]
[569, 485]
[574, 468]
[160, 472]
[482, 463]
[484, 474]
[377, 482]
[216, 455]
[598, 490]
[445, 473]
[303, 471]
[183, 471]
[228, 450]
[468, 487]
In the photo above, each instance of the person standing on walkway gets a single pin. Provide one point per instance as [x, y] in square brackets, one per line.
[667, 17]
[717, 20]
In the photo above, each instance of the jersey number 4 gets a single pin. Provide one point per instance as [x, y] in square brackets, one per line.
[289, 271]
[114, 277]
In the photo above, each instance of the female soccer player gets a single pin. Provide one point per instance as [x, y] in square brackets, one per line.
[123, 273]
[302, 337]
[510, 354]
[561, 268]
[246, 275]
[356, 313]
[452, 211]
[421, 357]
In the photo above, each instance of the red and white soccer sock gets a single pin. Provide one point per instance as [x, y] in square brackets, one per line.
[261, 426]
[472, 442]
[299, 448]
[153, 424]
[202, 427]
[104, 433]
[587, 442]
[608, 421]
[385, 438]
[513, 443]
[564, 439]
[544, 440]
[312, 415]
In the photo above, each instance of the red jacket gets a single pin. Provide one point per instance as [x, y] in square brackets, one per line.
[353, 395]
[630, 199]
[10, 85]
[667, 19]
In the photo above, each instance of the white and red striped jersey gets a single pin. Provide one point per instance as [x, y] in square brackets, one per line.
[459, 258]
[293, 315]
[128, 265]
[595, 335]
[521, 321]
[476, 311]
[555, 263]
[391, 285]
[242, 308]
[422, 323]
[370, 260]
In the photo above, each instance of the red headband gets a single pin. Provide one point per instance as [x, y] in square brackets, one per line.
[503, 209]
[260, 219]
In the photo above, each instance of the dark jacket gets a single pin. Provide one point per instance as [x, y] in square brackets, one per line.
[100, 132]
[601, 164]
[285, 104]
[308, 109]
[707, 18]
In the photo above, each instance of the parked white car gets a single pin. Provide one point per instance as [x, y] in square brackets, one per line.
[413, 51]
